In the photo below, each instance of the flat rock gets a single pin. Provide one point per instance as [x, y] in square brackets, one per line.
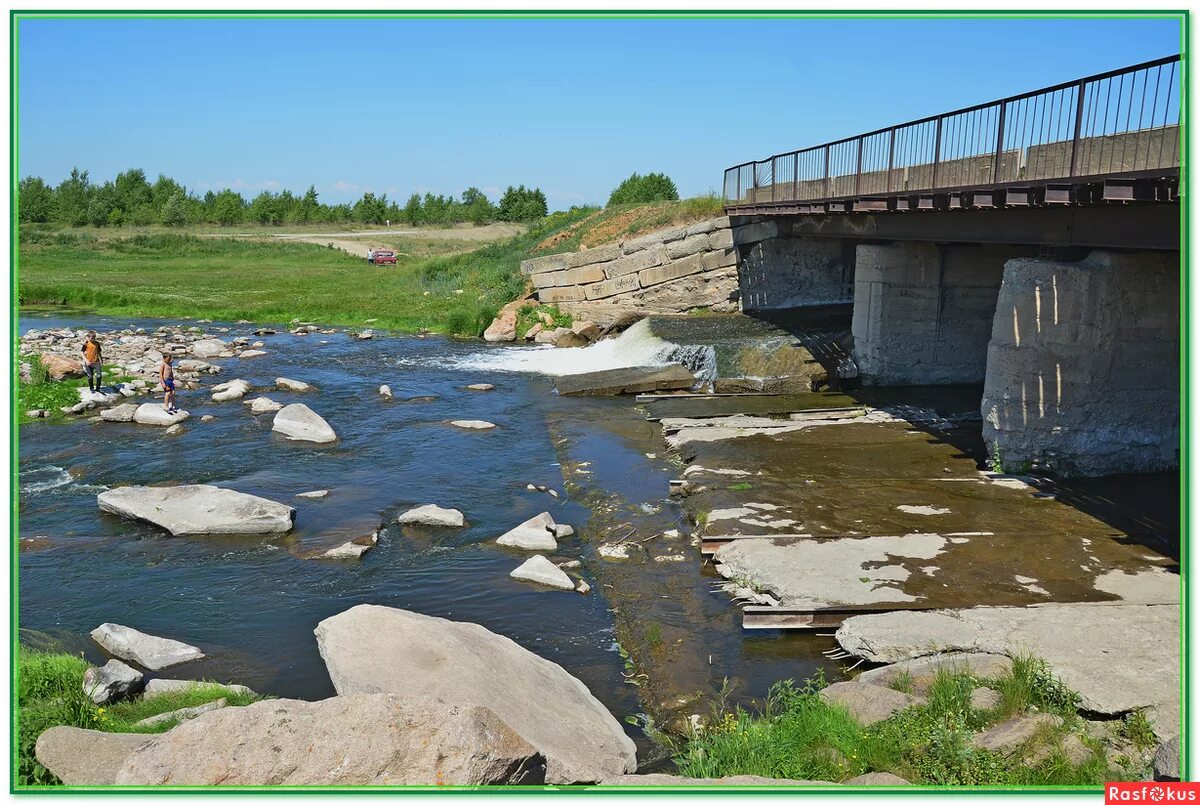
[371, 648]
[867, 703]
[877, 778]
[372, 739]
[923, 670]
[112, 681]
[540, 570]
[155, 414]
[252, 353]
[625, 380]
[86, 757]
[986, 698]
[1119, 657]
[481, 387]
[300, 423]
[198, 509]
[350, 550]
[472, 424]
[316, 493]
[263, 405]
[287, 384]
[432, 514]
[120, 413]
[674, 779]
[535, 534]
[146, 650]
[233, 390]
[182, 714]
[1008, 735]
[159, 687]
[1166, 760]
[208, 347]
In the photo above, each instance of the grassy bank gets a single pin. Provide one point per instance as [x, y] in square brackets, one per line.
[165, 275]
[797, 735]
[50, 694]
[40, 391]
[627, 221]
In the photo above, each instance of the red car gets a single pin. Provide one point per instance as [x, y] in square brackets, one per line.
[381, 257]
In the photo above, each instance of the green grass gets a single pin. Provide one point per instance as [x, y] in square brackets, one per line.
[794, 734]
[43, 392]
[270, 281]
[740, 486]
[528, 316]
[50, 694]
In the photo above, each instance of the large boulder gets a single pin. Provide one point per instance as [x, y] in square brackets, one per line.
[540, 570]
[198, 509]
[374, 739]
[120, 413]
[263, 405]
[502, 328]
[867, 704]
[61, 367]
[1009, 735]
[432, 514]
[155, 414]
[209, 347]
[300, 423]
[114, 680]
[86, 757]
[535, 534]
[373, 649]
[146, 650]
[160, 687]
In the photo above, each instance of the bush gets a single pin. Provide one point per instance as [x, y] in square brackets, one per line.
[644, 189]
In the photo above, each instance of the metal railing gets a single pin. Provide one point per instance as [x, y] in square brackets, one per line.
[1117, 123]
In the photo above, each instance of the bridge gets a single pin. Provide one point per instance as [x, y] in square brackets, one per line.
[1029, 244]
[1092, 162]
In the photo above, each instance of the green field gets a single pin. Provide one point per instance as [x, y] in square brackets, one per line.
[166, 274]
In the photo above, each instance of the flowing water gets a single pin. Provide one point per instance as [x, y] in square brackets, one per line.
[251, 603]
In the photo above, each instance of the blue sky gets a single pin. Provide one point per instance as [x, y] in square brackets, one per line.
[572, 106]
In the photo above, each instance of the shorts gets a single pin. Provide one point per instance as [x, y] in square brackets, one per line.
[169, 384]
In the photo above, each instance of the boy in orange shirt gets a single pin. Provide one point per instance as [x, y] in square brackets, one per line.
[93, 359]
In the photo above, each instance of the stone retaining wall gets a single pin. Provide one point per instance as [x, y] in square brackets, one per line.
[670, 271]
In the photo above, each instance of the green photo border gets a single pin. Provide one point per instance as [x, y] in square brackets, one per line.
[17, 16]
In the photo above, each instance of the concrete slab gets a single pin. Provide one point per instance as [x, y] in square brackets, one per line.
[625, 380]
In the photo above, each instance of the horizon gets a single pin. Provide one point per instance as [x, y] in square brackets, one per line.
[106, 95]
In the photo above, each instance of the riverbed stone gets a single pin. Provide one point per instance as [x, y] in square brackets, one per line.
[252, 353]
[119, 413]
[540, 570]
[1008, 735]
[1166, 761]
[315, 494]
[867, 704]
[86, 757]
[60, 367]
[208, 347]
[385, 391]
[300, 423]
[155, 414]
[502, 328]
[480, 387]
[182, 714]
[363, 739]
[434, 515]
[146, 650]
[287, 384]
[535, 534]
[371, 648]
[472, 424]
[159, 687]
[233, 390]
[1118, 657]
[112, 681]
[198, 509]
[263, 405]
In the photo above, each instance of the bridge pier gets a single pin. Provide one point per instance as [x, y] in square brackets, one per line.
[1083, 364]
[777, 270]
[923, 311]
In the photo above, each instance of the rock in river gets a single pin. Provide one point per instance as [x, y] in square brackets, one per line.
[114, 680]
[155, 414]
[198, 509]
[287, 384]
[209, 348]
[146, 650]
[372, 649]
[299, 422]
[535, 534]
[472, 424]
[374, 739]
[120, 413]
[432, 514]
[262, 405]
[540, 570]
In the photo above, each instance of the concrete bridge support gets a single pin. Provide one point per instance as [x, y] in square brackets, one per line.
[923, 311]
[777, 270]
[1083, 366]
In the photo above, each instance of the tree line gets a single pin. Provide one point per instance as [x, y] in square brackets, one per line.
[131, 199]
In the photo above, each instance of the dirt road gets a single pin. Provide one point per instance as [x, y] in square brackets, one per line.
[358, 243]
